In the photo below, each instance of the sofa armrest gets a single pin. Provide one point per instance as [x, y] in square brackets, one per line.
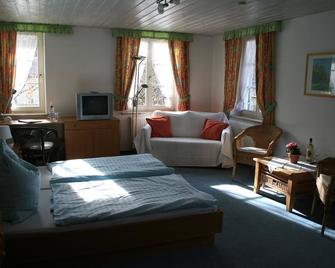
[227, 147]
[142, 140]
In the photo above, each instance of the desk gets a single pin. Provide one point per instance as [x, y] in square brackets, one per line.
[284, 177]
[16, 125]
[81, 139]
[28, 122]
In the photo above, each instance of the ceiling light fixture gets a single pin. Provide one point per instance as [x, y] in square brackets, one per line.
[162, 4]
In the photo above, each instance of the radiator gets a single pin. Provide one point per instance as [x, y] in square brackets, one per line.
[126, 143]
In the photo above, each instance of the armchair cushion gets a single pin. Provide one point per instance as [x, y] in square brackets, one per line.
[161, 126]
[212, 129]
[253, 150]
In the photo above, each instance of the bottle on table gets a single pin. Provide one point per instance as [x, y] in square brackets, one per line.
[52, 112]
[309, 151]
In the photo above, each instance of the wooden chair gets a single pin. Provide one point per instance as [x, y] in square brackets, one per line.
[325, 187]
[262, 139]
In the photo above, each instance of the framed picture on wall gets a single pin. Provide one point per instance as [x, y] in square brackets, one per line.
[320, 74]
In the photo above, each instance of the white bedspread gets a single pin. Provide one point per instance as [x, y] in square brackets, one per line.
[79, 202]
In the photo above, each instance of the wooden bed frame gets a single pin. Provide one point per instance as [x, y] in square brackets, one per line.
[124, 239]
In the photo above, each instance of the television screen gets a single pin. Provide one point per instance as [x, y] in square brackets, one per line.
[95, 105]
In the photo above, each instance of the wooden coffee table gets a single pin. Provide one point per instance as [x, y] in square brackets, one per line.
[284, 177]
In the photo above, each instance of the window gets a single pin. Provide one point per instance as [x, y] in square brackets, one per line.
[156, 72]
[29, 80]
[246, 103]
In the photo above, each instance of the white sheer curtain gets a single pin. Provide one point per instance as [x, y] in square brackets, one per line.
[157, 65]
[26, 45]
[161, 63]
[247, 75]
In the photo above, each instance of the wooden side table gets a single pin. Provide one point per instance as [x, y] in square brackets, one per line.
[284, 177]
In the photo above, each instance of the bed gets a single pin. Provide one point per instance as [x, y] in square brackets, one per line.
[42, 238]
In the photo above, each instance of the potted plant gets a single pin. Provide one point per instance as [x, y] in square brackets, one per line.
[293, 151]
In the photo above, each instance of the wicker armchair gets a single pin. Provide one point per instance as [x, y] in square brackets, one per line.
[325, 187]
[263, 139]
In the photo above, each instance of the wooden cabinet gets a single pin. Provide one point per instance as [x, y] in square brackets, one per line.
[92, 138]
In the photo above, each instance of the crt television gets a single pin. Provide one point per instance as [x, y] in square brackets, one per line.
[94, 105]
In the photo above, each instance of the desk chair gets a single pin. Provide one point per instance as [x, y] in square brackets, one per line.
[325, 187]
[36, 143]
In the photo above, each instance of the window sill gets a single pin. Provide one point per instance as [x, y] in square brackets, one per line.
[26, 115]
[246, 118]
[129, 112]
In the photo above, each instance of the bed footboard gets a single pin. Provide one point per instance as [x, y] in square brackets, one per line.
[155, 235]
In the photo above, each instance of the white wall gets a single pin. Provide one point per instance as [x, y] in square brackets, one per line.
[81, 61]
[218, 64]
[298, 115]
[85, 60]
[201, 53]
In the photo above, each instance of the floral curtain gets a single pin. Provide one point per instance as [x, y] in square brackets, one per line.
[126, 47]
[233, 51]
[7, 67]
[179, 53]
[265, 76]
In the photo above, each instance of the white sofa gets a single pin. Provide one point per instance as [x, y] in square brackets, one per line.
[185, 147]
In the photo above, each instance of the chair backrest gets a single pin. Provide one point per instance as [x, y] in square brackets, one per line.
[37, 134]
[327, 166]
[262, 135]
[32, 141]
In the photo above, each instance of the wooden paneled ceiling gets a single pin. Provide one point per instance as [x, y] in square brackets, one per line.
[193, 16]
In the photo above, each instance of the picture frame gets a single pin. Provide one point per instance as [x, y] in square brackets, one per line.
[320, 74]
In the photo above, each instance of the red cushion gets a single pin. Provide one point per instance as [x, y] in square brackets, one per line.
[160, 126]
[212, 129]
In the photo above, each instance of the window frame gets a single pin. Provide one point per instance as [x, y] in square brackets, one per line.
[148, 107]
[42, 89]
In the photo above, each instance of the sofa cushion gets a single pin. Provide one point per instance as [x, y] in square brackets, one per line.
[19, 186]
[186, 151]
[189, 123]
[160, 126]
[212, 129]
